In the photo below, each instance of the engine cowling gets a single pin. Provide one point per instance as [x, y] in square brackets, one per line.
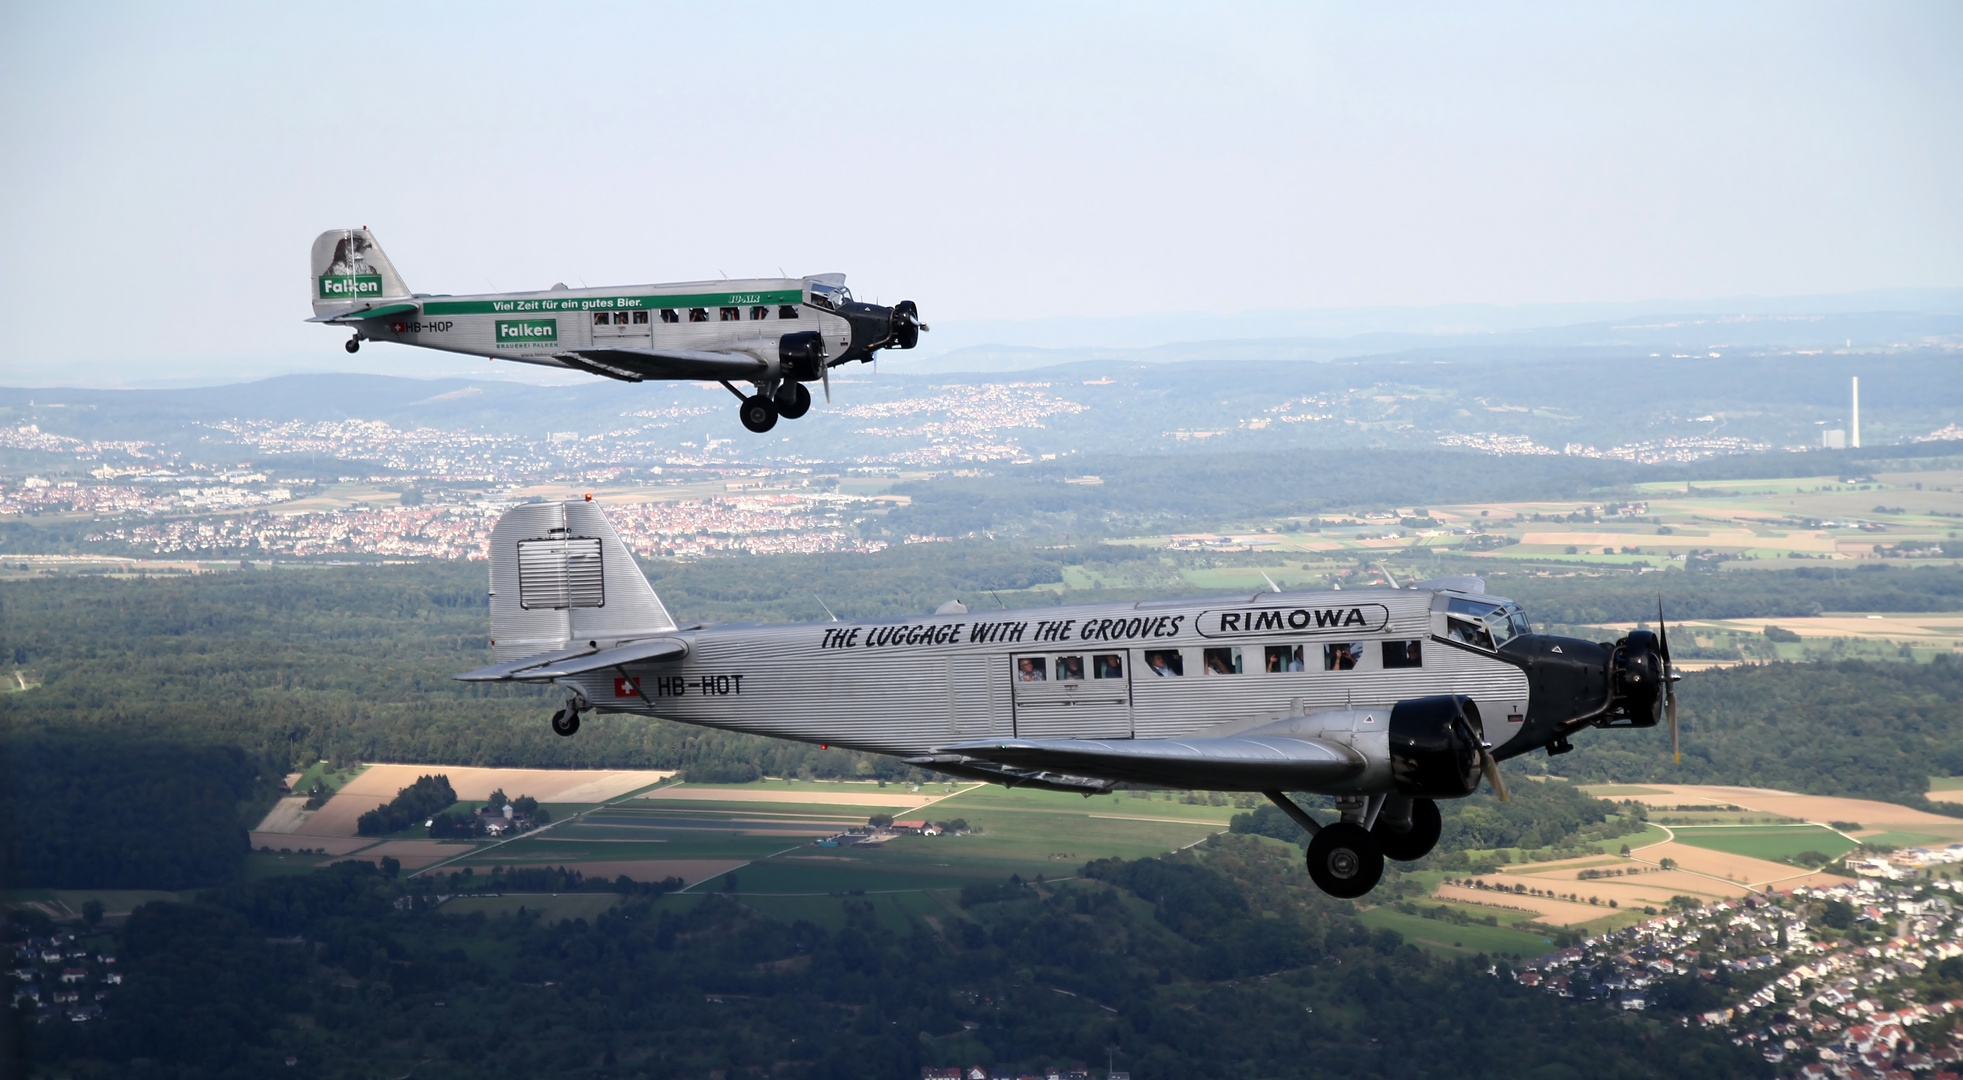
[1434, 747]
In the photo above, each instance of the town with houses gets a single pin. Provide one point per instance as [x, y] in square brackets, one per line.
[1825, 981]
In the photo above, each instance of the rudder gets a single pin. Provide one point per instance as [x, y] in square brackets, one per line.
[350, 269]
[561, 578]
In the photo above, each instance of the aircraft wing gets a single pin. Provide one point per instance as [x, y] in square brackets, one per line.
[1242, 762]
[634, 365]
[559, 665]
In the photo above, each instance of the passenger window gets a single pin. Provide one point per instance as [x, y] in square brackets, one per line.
[759, 313]
[1225, 660]
[1108, 666]
[731, 314]
[696, 314]
[1070, 669]
[1170, 663]
[669, 314]
[640, 318]
[600, 318]
[787, 311]
[1403, 654]
[1284, 658]
[1030, 669]
[1341, 657]
[620, 318]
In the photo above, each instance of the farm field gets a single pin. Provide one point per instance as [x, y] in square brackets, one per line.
[1768, 843]
[1442, 936]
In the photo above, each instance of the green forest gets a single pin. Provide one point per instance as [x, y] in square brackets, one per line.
[1218, 961]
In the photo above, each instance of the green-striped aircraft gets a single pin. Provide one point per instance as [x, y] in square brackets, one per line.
[775, 334]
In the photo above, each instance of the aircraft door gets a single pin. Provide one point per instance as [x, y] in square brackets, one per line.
[972, 697]
[624, 328]
[1078, 694]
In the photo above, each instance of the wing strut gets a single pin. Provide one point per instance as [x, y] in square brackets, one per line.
[1297, 814]
[740, 395]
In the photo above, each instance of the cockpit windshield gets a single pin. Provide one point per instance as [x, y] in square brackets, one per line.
[829, 295]
[1485, 623]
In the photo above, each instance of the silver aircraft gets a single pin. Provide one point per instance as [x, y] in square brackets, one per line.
[774, 333]
[1386, 699]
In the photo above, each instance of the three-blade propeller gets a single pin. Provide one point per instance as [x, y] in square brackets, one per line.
[1487, 763]
[1669, 680]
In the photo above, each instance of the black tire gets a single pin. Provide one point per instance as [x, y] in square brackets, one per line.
[796, 404]
[1345, 861]
[1416, 842]
[565, 722]
[353, 345]
[759, 413]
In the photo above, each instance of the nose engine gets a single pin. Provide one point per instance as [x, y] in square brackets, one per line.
[1574, 684]
[875, 327]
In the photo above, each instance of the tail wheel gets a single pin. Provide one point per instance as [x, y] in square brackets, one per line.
[1415, 842]
[565, 722]
[1345, 861]
[793, 401]
[759, 413]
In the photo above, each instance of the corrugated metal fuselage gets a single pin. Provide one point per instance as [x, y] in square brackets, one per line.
[1153, 670]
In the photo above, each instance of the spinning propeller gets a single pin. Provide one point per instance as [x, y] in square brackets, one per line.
[1669, 680]
[1487, 764]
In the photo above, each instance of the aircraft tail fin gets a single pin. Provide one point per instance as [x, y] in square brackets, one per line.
[349, 270]
[561, 579]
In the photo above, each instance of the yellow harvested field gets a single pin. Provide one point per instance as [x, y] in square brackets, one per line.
[1545, 908]
[545, 785]
[681, 793]
[287, 815]
[339, 816]
[689, 870]
[1739, 868]
[1942, 629]
[1715, 538]
[1819, 809]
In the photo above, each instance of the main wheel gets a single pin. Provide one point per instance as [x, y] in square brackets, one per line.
[353, 345]
[1413, 843]
[759, 413]
[1345, 861]
[565, 722]
[796, 404]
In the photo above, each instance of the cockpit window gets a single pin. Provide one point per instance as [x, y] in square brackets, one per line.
[1484, 623]
[829, 296]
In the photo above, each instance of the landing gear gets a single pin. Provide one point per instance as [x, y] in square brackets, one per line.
[759, 413]
[1414, 842]
[354, 344]
[565, 721]
[1345, 861]
[793, 401]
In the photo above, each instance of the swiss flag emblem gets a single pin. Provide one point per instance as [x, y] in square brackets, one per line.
[626, 687]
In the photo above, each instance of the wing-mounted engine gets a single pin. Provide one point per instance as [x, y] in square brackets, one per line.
[1436, 747]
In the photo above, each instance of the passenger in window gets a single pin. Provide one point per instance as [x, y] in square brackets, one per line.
[787, 311]
[669, 314]
[696, 314]
[640, 318]
[1282, 658]
[1029, 669]
[1403, 654]
[1070, 669]
[757, 313]
[620, 318]
[1108, 666]
[730, 314]
[1222, 661]
[600, 318]
[1168, 664]
[1341, 657]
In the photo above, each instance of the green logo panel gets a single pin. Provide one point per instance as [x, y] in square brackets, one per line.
[527, 333]
[349, 286]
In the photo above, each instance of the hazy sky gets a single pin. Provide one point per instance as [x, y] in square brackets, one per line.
[166, 166]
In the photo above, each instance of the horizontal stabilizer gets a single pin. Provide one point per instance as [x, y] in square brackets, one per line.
[1237, 763]
[559, 665]
[365, 314]
[632, 364]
